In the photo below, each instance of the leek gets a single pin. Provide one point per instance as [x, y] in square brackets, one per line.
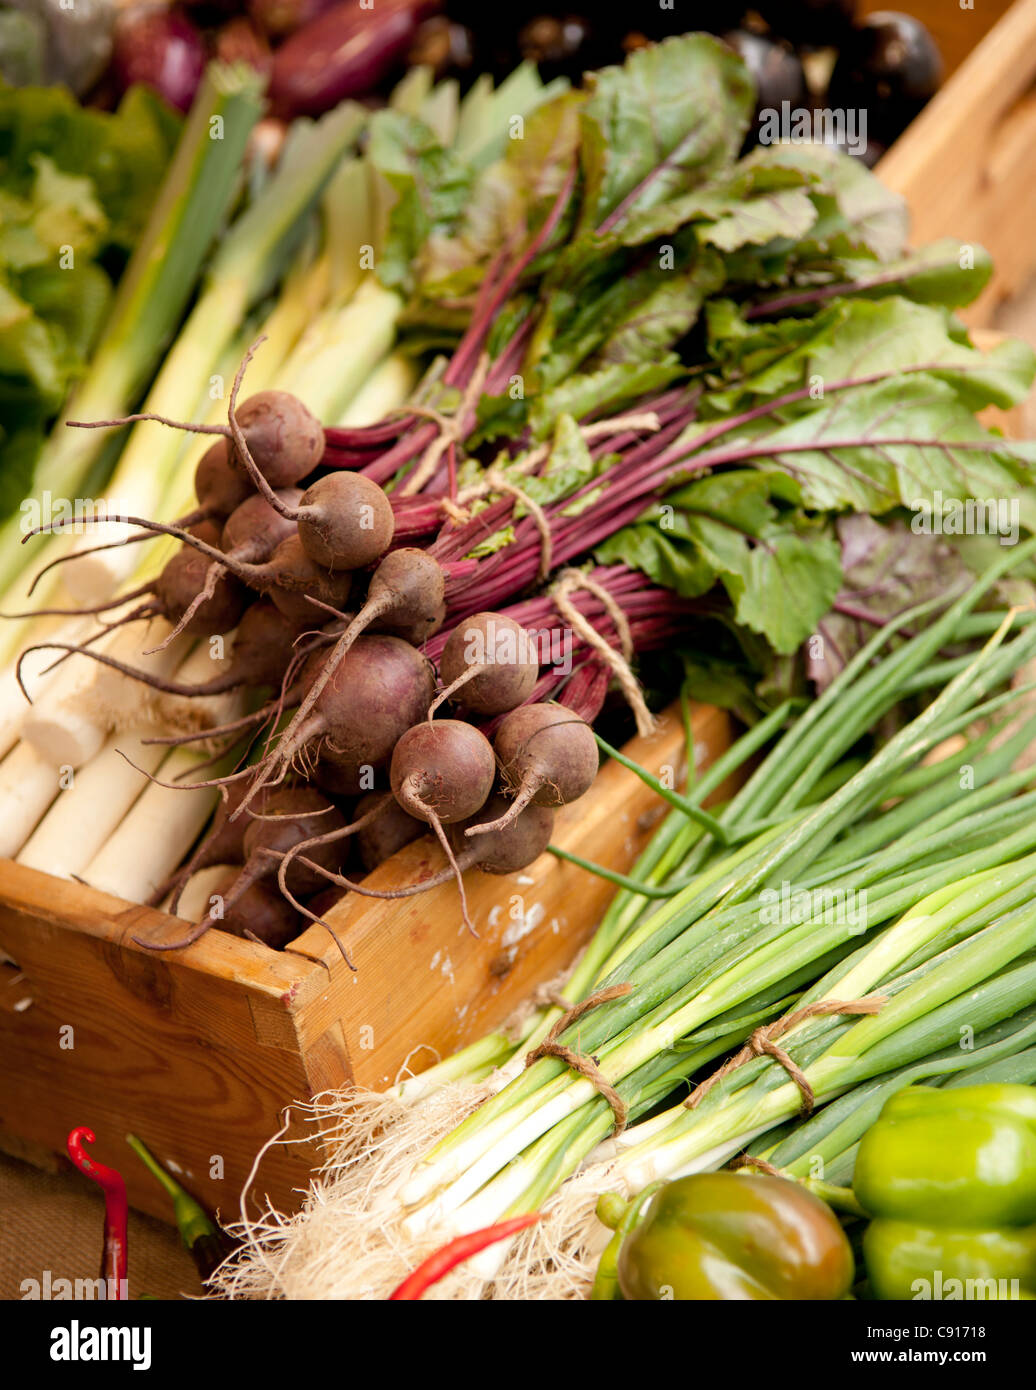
[196, 195]
[248, 264]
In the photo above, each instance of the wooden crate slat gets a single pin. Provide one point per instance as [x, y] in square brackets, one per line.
[967, 165]
[167, 1052]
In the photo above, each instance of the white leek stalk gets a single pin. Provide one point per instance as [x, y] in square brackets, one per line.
[92, 807]
[334, 357]
[28, 784]
[196, 898]
[153, 839]
[71, 720]
[387, 388]
[36, 677]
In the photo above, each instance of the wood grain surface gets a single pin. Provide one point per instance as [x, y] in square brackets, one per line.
[967, 165]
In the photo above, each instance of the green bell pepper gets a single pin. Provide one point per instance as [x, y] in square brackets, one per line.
[949, 1179]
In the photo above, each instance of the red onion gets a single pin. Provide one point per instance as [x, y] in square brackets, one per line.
[161, 48]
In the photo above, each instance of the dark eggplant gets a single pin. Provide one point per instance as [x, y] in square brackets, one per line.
[344, 53]
[809, 23]
[890, 67]
[161, 48]
[775, 69]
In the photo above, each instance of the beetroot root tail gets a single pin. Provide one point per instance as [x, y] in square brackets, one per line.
[411, 891]
[213, 575]
[440, 834]
[185, 425]
[517, 806]
[167, 687]
[244, 879]
[237, 435]
[451, 690]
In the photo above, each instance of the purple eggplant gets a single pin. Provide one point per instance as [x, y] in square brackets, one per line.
[890, 68]
[344, 53]
[162, 48]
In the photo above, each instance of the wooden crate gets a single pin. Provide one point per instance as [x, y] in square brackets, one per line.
[967, 165]
[199, 1052]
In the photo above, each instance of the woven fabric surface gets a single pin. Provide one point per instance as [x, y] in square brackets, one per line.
[55, 1222]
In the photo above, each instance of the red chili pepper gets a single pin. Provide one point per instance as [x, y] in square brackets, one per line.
[116, 1210]
[439, 1264]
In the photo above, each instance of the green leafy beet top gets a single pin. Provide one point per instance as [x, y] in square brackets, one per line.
[805, 366]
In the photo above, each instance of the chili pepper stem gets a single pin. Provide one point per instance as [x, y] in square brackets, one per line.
[192, 1220]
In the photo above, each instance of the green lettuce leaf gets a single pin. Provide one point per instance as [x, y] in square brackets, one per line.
[123, 154]
[76, 185]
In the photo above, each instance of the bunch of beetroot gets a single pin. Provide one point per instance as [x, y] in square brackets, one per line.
[343, 561]
[330, 621]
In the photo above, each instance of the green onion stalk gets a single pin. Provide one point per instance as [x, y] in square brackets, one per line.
[823, 1148]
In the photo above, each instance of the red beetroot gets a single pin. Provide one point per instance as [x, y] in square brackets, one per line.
[547, 755]
[489, 665]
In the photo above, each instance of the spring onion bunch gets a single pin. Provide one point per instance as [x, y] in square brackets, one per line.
[942, 861]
